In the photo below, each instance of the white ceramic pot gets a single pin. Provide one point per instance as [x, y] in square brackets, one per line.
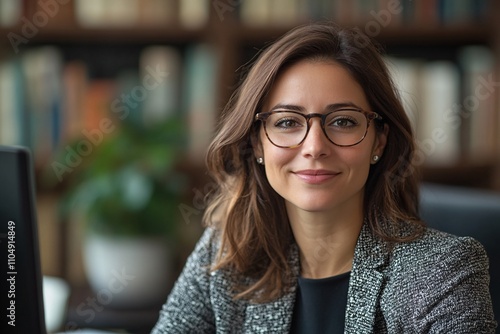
[56, 293]
[128, 272]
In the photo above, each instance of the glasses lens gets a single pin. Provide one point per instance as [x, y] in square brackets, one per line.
[286, 129]
[343, 127]
[346, 127]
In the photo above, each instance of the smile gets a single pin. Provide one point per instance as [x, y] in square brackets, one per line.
[315, 176]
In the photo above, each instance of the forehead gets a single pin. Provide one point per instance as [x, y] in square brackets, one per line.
[314, 84]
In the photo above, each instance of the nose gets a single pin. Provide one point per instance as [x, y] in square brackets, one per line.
[316, 144]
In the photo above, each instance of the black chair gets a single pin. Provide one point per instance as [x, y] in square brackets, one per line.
[467, 212]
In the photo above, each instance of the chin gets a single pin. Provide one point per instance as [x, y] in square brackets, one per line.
[313, 205]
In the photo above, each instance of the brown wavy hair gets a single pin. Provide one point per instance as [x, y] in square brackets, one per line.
[250, 216]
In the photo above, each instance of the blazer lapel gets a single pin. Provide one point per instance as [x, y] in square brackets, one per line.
[365, 283]
[276, 316]
[273, 317]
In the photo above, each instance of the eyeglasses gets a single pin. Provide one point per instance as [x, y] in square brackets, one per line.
[343, 127]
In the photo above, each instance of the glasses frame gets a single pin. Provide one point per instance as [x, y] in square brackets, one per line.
[370, 115]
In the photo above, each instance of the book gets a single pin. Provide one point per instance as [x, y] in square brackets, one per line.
[405, 75]
[109, 13]
[75, 81]
[10, 12]
[463, 11]
[194, 13]
[316, 10]
[256, 13]
[361, 12]
[127, 103]
[50, 13]
[426, 12]
[478, 106]
[42, 68]
[12, 113]
[157, 12]
[160, 68]
[97, 103]
[438, 129]
[284, 12]
[343, 11]
[430, 93]
[199, 100]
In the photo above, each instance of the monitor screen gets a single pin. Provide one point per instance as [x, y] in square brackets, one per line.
[20, 276]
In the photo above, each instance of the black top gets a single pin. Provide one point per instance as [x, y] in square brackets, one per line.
[320, 305]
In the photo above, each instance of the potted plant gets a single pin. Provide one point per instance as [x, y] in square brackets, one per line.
[127, 191]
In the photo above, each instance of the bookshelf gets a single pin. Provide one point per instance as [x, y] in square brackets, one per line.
[104, 57]
[236, 30]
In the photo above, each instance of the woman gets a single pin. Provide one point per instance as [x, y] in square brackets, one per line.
[315, 227]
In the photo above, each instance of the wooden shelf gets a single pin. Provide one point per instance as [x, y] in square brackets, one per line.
[458, 34]
[437, 35]
[142, 35]
[485, 175]
[175, 33]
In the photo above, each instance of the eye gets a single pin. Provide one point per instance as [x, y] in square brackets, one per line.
[286, 123]
[343, 122]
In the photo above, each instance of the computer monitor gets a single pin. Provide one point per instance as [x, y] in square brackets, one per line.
[20, 274]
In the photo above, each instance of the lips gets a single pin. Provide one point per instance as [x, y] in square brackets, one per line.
[315, 176]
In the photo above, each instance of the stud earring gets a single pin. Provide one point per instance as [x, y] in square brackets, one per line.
[260, 161]
[375, 158]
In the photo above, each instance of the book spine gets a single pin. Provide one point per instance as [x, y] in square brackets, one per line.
[160, 68]
[438, 132]
[10, 12]
[478, 107]
[200, 98]
[194, 13]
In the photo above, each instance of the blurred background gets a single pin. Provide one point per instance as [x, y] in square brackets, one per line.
[118, 101]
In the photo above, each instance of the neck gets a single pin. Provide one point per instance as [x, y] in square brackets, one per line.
[326, 240]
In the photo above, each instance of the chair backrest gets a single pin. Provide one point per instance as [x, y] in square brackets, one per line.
[467, 212]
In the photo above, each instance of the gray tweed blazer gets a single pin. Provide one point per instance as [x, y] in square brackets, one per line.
[436, 284]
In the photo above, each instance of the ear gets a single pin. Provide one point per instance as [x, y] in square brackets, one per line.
[257, 145]
[380, 141]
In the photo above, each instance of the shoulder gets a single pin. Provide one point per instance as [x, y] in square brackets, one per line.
[432, 250]
[437, 256]
[439, 276]
[435, 247]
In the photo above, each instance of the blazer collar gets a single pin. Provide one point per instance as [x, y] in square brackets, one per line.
[365, 285]
[370, 257]
[275, 316]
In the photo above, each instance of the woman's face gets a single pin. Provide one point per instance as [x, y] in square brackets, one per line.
[313, 87]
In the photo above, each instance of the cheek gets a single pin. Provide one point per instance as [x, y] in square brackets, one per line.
[358, 158]
[276, 161]
[273, 156]
[276, 158]
[358, 162]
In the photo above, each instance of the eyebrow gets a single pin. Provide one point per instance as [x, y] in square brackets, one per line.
[330, 107]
